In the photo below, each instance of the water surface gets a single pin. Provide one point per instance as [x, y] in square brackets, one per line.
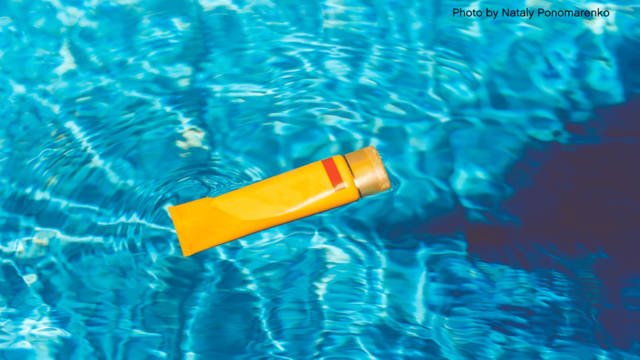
[115, 110]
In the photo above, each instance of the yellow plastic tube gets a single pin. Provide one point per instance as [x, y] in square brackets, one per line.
[305, 191]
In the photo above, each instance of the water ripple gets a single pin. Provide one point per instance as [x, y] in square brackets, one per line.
[117, 109]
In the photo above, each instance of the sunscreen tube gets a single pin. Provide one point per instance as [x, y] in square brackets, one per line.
[302, 192]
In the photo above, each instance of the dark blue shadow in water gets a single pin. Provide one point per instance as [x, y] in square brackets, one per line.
[582, 207]
[578, 213]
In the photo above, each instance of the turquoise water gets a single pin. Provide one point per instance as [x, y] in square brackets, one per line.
[114, 110]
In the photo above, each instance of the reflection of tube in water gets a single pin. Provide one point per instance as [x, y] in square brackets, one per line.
[301, 192]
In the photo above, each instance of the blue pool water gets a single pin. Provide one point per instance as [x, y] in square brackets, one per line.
[508, 234]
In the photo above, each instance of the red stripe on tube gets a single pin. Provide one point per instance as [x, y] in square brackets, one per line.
[334, 174]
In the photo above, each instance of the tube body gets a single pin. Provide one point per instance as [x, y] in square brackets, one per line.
[293, 195]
